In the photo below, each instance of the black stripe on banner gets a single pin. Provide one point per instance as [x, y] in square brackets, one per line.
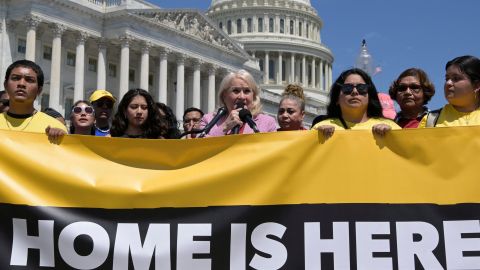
[308, 236]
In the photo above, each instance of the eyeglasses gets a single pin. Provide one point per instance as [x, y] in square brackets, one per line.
[347, 88]
[5, 102]
[415, 88]
[101, 103]
[86, 109]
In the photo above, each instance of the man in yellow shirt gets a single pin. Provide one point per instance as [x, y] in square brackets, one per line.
[23, 83]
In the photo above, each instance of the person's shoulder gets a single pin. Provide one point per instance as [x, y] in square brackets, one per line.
[328, 122]
[50, 121]
[3, 120]
[265, 117]
[386, 121]
[208, 116]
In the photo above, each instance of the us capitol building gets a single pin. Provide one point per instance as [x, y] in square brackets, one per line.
[179, 55]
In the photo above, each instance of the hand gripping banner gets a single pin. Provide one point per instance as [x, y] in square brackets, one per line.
[288, 200]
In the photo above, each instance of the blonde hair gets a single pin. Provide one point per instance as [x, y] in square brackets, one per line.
[245, 76]
[294, 92]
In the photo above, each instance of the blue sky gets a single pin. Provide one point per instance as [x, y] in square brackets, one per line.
[400, 34]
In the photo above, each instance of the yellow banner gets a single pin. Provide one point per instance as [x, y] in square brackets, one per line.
[438, 166]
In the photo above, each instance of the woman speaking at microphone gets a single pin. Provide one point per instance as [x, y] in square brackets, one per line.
[238, 92]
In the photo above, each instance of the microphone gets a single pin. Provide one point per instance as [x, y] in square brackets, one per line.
[246, 117]
[220, 113]
[239, 104]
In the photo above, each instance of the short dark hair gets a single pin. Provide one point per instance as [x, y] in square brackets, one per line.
[192, 109]
[173, 132]
[374, 108]
[52, 112]
[427, 86]
[469, 65]
[27, 64]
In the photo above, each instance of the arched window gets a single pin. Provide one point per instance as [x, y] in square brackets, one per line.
[260, 25]
[220, 25]
[239, 26]
[292, 23]
[260, 63]
[249, 25]
[300, 28]
[306, 31]
[270, 25]
[282, 26]
[229, 27]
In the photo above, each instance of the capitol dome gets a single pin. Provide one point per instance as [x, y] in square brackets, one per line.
[284, 38]
[216, 2]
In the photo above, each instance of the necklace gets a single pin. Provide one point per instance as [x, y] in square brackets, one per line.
[102, 130]
[10, 127]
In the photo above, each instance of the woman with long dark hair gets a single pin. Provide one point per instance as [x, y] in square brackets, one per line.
[354, 104]
[138, 117]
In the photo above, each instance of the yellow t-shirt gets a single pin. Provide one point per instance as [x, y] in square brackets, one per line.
[35, 123]
[450, 117]
[367, 125]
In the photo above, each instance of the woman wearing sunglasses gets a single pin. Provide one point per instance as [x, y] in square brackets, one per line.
[462, 91]
[354, 104]
[411, 90]
[138, 117]
[82, 118]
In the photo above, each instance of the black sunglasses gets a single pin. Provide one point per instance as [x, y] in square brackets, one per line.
[5, 102]
[101, 103]
[415, 88]
[347, 88]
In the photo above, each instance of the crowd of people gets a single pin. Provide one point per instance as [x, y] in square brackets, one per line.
[354, 104]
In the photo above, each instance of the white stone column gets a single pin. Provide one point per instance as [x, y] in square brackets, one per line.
[292, 68]
[279, 69]
[180, 98]
[124, 65]
[196, 84]
[304, 71]
[266, 22]
[298, 68]
[32, 23]
[55, 70]
[144, 65]
[254, 24]
[163, 75]
[322, 87]
[295, 26]
[78, 90]
[287, 25]
[266, 69]
[102, 64]
[211, 88]
[329, 76]
[276, 24]
[314, 73]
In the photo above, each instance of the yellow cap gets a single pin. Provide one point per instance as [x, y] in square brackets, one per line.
[98, 94]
